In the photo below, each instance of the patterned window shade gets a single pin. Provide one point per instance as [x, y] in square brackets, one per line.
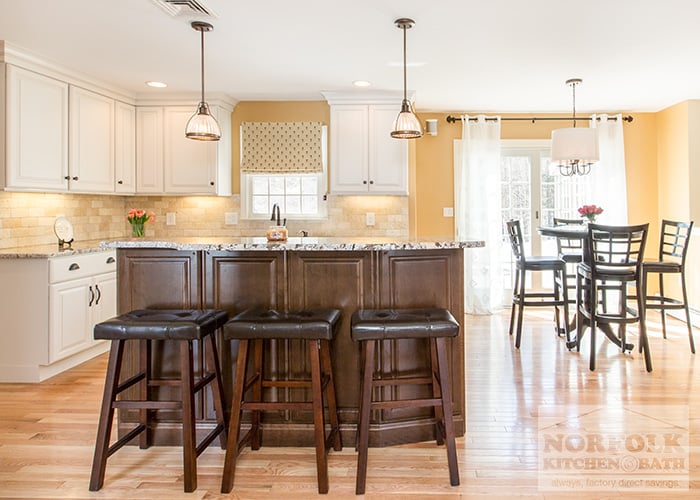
[282, 147]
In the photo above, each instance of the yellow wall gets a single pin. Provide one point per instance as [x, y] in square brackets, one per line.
[271, 111]
[434, 167]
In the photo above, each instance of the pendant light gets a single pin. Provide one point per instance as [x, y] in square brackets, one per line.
[574, 150]
[407, 124]
[202, 126]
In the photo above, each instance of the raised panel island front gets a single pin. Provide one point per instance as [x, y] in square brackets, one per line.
[301, 273]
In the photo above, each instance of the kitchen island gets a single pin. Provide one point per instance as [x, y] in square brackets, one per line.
[300, 273]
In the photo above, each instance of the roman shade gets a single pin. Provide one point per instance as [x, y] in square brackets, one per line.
[281, 147]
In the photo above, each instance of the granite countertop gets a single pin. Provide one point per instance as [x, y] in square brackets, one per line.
[46, 251]
[292, 244]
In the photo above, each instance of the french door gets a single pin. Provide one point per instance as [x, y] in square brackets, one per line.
[533, 192]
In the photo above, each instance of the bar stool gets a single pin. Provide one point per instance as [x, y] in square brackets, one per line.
[371, 325]
[251, 328]
[183, 326]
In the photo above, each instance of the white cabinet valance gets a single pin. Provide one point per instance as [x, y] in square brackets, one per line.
[282, 147]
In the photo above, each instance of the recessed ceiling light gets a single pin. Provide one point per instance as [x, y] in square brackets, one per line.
[361, 83]
[159, 85]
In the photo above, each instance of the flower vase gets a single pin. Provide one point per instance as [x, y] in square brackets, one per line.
[137, 230]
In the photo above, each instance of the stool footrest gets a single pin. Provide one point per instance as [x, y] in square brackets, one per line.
[209, 438]
[405, 403]
[276, 405]
[203, 382]
[125, 439]
[129, 382]
[131, 404]
[402, 381]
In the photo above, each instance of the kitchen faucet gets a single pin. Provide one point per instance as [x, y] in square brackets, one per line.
[276, 215]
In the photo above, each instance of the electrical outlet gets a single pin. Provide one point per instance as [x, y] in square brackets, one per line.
[170, 219]
[448, 212]
[231, 218]
[369, 218]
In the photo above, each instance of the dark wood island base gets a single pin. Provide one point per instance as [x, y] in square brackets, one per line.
[302, 278]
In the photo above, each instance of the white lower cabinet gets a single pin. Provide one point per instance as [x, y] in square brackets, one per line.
[49, 307]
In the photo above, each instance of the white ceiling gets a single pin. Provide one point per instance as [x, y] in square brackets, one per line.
[464, 55]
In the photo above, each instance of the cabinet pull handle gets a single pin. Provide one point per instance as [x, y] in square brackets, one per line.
[99, 294]
[211, 183]
[92, 296]
[364, 182]
[371, 182]
[120, 182]
[67, 177]
[110, 260]
[73, 267]
[75, 178]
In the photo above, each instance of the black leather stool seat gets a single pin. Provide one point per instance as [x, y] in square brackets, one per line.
[162, 324]
[383, 324]
[142, 327]
[370, 326]
[276, 324]
[252, 328]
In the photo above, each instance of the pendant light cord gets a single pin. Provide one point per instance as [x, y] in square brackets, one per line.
[202, 60]
[573, 93]
[404, 62]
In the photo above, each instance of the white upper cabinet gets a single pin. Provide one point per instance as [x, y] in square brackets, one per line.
[36, 131]
[91, 146]
[169, 163]
[124, 148]
[365, 159]
[149, 150]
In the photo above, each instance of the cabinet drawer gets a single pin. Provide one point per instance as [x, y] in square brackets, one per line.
[79, 266]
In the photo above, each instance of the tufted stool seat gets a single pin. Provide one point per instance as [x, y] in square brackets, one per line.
[145, 326]
[251, 328]
[371, 325]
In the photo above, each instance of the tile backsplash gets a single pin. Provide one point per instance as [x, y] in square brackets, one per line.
[27, 219]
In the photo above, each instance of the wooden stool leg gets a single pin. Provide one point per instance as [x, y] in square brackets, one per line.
[447, 410]
[189, 443]
[437, 393]
[217, 388]
[256, 417]
[104, 428]
[330, 396]
[235, 417]
[319, 421]
[145, 392]
[363, 424]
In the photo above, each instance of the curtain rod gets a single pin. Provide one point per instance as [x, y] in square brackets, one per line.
[455, 119]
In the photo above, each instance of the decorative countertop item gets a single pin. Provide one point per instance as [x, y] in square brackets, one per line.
[138, 219]
[64, 232]
[276, 233]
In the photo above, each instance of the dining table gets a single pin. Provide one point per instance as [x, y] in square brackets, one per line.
[580, 231]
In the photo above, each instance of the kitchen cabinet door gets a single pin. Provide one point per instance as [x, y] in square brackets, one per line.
[149, 150]
[189, 165]
[124, 148]
[91, 146]
[388, 157]
[36, 131]
[69, 318]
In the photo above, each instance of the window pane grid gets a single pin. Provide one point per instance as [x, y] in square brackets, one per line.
[295, 194]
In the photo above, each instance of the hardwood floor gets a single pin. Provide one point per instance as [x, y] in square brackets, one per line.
[47, 430]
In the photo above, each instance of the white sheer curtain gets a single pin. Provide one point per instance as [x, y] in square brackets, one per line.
[478, 212]
[606, 185]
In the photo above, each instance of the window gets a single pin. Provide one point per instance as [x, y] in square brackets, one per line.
[299, 195]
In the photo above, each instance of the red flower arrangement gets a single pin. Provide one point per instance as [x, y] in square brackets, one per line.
[590, 212]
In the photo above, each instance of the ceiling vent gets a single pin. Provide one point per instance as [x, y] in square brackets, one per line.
[185, 8]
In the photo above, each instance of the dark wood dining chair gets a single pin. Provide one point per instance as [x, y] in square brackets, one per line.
[614, 261]
[570, 250]
[558, 297]
[673, 248]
